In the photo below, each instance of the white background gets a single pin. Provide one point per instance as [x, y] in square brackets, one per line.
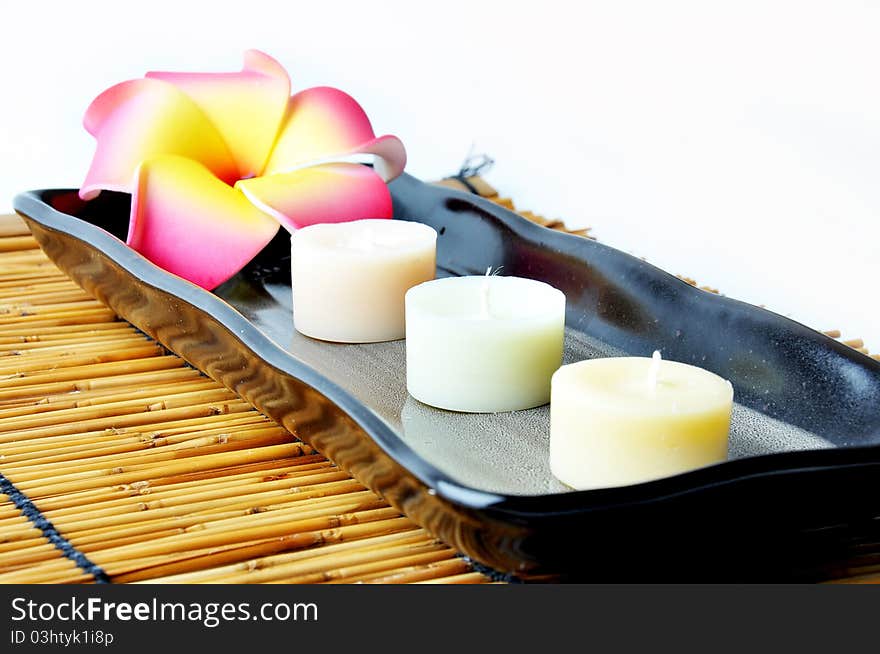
[737, 142]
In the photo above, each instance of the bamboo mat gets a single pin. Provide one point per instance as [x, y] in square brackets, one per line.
[156, 473]
[134, 467]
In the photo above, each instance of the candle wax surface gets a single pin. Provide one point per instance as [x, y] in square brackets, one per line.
[612, 425]
[483, 343]
[349, 279]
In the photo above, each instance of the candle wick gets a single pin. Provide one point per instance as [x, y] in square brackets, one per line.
[484, 295]
[654, 372]
[485, 314]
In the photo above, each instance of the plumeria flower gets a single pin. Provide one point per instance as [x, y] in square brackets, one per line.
[217, 162]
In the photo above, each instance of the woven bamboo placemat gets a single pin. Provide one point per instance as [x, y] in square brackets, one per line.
[153, 472]
[122, 464]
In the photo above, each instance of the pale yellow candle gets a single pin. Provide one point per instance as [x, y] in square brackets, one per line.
[349, 279]
[626, 420]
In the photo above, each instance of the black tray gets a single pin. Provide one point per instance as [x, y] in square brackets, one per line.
[795, 501]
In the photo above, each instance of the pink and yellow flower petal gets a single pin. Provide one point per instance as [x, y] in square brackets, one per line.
[246, 107]
[190, 223]
[139, 119]
[323, 124]
[327, 193]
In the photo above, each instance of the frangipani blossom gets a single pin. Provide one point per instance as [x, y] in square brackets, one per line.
[217, 162]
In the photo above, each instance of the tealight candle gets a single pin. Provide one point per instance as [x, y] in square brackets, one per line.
[349, 279]
[625, 420]
[483, 344]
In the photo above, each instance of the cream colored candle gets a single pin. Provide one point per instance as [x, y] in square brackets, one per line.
[483, 344]
[349, 279]
[625, 420]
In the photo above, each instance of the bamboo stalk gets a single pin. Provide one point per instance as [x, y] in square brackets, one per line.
[121, 450]
[63, 332]
[23, 258]
[196, 446]
[21, 540]
[123, 496]
[326, 482]
[417, 573]
[14, 518]
[108, 339]
[12, 225]
[234, 555]
[35, 317]
[23, 532]
[151, 393]
[156, 429]
[108, 385]
[251, 527]
[33, 264]
[87, 316]
[192, 533]
[12, 254]
[193, 464]
[59, 566]
[14, 265]
[52, 350]
[44, 298]
[13, 313]
[256, 503]
[15, 243]
[15, 538]
[267, 469]
[211, 568]
[7, 509]
[182, 485]
[151, 390]
[11, 279]
[150, 403]
[35, 575]
[322, 495]
[33, 452]
[310, 529]
[446, 578]
[344, 569]
[17, 289]
[99, 540]
[144, 462]
[127, 420]
[30, 274]
[107, 520]
[227, 478]
[90, 371]
[221, 422]
[39, 364]
[28, 269]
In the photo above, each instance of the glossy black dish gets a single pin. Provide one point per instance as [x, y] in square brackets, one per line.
[793, 513]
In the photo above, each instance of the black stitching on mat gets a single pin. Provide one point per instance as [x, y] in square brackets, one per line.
[492, 573]
[29, 510]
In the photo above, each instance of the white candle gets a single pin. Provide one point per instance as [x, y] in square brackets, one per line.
[625, 420]
[349, 279]
[483, 344]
